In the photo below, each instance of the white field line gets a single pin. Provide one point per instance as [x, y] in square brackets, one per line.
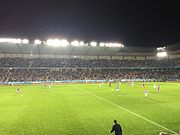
[135, 114]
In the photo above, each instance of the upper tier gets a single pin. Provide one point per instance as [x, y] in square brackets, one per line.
[84, 63]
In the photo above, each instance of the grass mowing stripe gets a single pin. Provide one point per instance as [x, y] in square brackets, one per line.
[135, 114]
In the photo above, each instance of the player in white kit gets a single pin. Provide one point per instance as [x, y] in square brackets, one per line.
[154, 86]
[146, 93]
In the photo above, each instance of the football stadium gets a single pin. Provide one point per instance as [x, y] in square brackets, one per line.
[61, 87]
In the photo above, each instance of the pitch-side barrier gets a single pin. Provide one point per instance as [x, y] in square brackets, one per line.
[73, 81]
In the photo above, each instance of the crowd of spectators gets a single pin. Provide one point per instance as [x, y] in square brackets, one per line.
[75, 62]
[7, 75]
[14, 62]
[19, 69]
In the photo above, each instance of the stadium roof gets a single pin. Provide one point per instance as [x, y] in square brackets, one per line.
[9, 48]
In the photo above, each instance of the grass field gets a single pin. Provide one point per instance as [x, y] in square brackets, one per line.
[87, 109]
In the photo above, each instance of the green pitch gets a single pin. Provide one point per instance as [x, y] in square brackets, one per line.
[89, 109]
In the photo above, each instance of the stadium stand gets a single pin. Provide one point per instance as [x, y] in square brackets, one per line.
[41, 63]
[54, 62]
[16, 75]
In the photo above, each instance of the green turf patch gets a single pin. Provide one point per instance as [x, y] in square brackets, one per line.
[88, 109]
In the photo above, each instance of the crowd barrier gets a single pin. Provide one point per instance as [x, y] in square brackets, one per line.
[61, 81]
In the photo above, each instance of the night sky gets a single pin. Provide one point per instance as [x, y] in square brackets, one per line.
[135, 23]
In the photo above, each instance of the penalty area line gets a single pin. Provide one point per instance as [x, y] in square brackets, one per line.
[135, 114]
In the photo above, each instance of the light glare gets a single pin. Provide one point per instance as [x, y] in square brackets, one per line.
[64, 43]
[102, 44]
[110, 45]
[57, 42]
[37, 42]
[93, 43]
[10, 40]
[25, 41]
[82, 43]
[162, 54]
[114, 45]
[75, 43]
[161, 48]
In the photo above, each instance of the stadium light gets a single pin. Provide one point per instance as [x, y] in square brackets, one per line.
[81, 43]
[2, 40]
[18, 41]
[102, 44]
[10, 40]
[161, 48]
[75, 43]
[57, 42]
[114, 45]
[93, 43]
[37, 42]
[64, 43]
[110, 45]
[161, 54]
[25, 41]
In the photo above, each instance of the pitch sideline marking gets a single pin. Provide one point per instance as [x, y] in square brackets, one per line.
[135, 114]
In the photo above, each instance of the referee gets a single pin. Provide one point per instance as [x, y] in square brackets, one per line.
[117, 128]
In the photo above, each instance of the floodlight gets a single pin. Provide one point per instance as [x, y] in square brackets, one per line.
[75, 43]
[57, 42]
[102, 44]
[25, 41]
[18, 41]
[108, 44]
[15, 41]
[3, 40]
[161, 54]
[93, 43]
[64, 42]
[114, 45]
[81, 43]
[37, 41]
[10, 40]
[161, 48]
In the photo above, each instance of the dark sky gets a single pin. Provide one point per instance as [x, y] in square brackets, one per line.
[134, 23]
